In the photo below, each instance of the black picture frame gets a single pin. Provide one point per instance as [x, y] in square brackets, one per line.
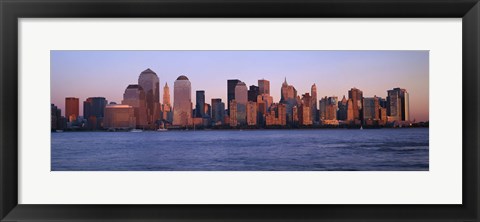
[12, 10]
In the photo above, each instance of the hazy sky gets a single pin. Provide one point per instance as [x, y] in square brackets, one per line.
[84, 74]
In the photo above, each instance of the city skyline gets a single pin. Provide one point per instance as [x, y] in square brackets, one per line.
[407, 69]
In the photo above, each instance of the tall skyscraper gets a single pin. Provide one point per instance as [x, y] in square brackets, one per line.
[182, 101]
[332, 107]
[218, 111]
[398, 107]
[288, 92]
[253, 93]
[166, 95]
[167, 106]
[231, 84]
[233, 113]
[71, 109]
[150, 84]
[342, 109]
[200, 103]
[57, 121]
[251, 113]
[356, 96]
[288, 97]
[134, 96]
[241, 97]
[371, 108]
[313, 106]
[94, 111]
[350, 111]
[263, 86]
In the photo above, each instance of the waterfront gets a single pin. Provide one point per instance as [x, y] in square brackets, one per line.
[247, 150]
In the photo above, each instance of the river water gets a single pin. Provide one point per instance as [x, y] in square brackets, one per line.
[404, 149]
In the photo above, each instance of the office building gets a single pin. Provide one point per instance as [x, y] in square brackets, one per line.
[119, 117]
[182, 101]
[233, 113]
[135, 97]
[71, 109]
[150, 83]
[251, 113]
[241, 98]
[313, 105]
[231, 84]
[263, 86]
[200, 103]
[253, 93]
[356, 96]
[342, 109]
[218, 111]
[371, 110]
[94, 111]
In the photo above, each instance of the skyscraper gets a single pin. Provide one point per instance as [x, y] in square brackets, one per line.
[233, 113]
[313, 106]
[231, 84]
[134, 96]
[200, 103]
[253, 93]
[356, 96]
[371, 108]
[71, 109]
[342, 109]
[166, 95]
[182, 101]
[263, 86]
[167, 106]
[94, 111]
[350, 111]
[251, 113]
[218, 111]
[241, 97]
[149, 82]
[57, 121]
[398, 107]
[288, 97]
[394, 108]
[332, 107]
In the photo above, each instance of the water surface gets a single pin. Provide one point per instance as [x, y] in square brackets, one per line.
[247, 150]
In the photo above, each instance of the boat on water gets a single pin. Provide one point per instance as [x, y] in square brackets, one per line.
[162, 130]
[361, 127]
[59, 131]
[136, 131]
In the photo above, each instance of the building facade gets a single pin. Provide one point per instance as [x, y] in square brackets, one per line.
[263, 86]
[251, 113]
[182, 102]
[200, 103]
[356, 96]
[253, 93]
[150, 84]
[94, 111]
[119, 117]
[241, 97]
[135, 97]
[231, 84]
[218, 111]
[71, 109]
[313, 105]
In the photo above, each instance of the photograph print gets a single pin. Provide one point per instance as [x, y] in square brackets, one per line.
[239, 110]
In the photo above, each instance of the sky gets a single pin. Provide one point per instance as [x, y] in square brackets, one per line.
[92, 73]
